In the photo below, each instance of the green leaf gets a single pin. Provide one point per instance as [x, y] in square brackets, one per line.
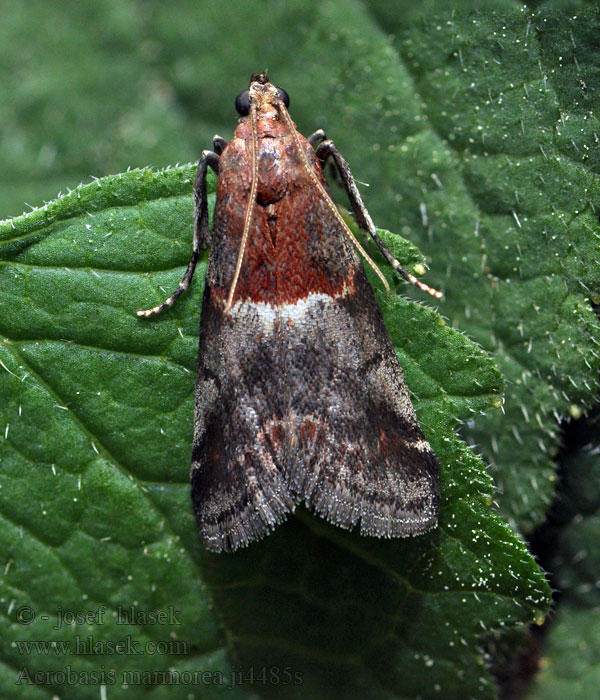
[95, 419]
[502, 158]
[96, 414]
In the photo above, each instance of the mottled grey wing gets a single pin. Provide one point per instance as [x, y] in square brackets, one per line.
[355, 449]
[238, 489]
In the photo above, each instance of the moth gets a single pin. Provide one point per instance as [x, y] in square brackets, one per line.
[299, 394]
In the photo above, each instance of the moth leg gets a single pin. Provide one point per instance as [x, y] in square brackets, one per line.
[328, 149]
[201, 232]
[316, 138]
[219, 144]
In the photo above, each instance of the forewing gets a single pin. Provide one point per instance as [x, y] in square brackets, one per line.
[357, 452]
[238, 490]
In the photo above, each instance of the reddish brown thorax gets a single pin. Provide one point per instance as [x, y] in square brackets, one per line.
[286, 254]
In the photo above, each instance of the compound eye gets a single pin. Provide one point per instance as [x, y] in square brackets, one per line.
[242, 103]
[284, 97]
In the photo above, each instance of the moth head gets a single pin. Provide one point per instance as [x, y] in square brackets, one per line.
[264, 95]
